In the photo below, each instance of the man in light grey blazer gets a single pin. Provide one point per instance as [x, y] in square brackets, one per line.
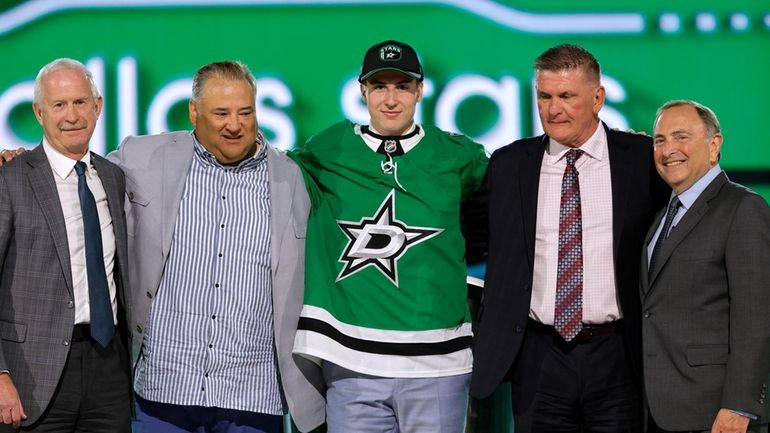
[216, 227]
[705, 286]
[63, 363]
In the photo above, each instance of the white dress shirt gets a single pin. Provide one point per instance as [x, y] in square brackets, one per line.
[67, 184]
[600, 301]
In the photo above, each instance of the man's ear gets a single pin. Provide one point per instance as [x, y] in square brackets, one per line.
[599, 99]
[419, 91]
[715, 149]
[193, 110]
[38, 113]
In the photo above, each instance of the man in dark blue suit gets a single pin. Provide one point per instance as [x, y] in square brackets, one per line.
[568, 211]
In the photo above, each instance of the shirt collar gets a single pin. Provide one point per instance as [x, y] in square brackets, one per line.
[595, 146]
[250, 162]
[374, 143]
[61, 164]
[688, 197]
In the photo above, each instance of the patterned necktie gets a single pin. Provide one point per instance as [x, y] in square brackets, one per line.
[569, 274]
[673, 207]
[102, 325]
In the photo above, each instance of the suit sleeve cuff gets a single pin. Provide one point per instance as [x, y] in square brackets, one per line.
[750, 416]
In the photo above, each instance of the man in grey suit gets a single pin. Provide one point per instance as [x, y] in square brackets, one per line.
[216, 227]
[704, 287]
[63, 364]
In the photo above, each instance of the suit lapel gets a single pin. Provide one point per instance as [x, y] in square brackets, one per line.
[281, 197]
[44, 187]
[177, 158]
[621, 168]
[115, 204]
[643, 272]
[690, 219]
[529, 186]
[110, 183]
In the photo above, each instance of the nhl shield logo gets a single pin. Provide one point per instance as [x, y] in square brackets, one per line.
[390, 146]
[390, 53]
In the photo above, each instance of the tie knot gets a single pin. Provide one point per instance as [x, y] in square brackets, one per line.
[674, 205]
[573, 155]
[80, 168]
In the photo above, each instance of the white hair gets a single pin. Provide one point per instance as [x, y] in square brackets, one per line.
[62, 64]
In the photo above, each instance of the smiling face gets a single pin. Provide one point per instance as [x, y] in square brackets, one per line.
[568, 102]
[684, 150]
[391, 98]
[225, 119]
[67, 111]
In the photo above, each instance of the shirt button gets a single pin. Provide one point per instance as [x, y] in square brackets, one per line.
[519, 328]
[220, 254]
[131, 195]
[65, 342]
[149, 295]
[647, 314]
[216, 285]
[222, 226]
[210, 346]
[213, 317]
[138, 329]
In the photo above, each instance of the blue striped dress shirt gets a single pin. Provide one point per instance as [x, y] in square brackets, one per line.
[209, 340]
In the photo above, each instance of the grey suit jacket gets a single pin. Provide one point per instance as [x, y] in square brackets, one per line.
[156, 168]
[706, 328]
[37, 311]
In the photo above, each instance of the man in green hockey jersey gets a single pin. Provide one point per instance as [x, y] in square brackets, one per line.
[385, 311]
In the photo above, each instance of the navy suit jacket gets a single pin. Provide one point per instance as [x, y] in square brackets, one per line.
[511, 188]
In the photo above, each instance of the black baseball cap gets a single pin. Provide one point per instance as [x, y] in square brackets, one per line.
[391, 56]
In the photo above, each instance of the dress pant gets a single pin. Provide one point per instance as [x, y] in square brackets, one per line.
[580, 386]
[155, 417]
[94, 392]
[360, 403]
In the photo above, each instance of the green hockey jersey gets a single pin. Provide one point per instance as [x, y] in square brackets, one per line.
[385, 291]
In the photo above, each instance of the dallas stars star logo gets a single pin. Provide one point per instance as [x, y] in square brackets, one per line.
[380, 241]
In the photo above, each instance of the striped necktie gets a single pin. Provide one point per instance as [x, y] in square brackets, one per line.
[673, 208]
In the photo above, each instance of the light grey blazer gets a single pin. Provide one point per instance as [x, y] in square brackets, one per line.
[37, 311]
[156, 168]
[706, 311]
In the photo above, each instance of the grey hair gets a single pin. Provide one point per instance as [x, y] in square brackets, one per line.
[567, 57]
[706, 115]
[228, 70]
[58, 65]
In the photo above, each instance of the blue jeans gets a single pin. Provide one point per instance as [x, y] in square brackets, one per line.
[369, 404]
[153, 417]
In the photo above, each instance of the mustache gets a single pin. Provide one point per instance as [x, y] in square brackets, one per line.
[75, 127]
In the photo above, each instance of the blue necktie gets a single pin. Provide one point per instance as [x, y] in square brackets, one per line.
[673, 208]
[102, 325]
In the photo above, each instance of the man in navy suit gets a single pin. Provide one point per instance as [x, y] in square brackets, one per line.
[568, 211]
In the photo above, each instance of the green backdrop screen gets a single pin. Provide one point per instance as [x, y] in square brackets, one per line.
[477, 55]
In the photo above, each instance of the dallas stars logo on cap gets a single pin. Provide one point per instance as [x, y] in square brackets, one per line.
[380, 241]
[390, 53]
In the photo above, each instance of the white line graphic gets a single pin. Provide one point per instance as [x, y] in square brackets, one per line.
[587, 23]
